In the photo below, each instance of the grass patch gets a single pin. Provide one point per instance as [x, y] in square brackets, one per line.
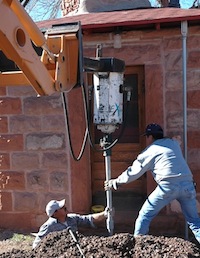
[21, 237]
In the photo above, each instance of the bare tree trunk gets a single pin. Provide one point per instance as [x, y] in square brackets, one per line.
[164, 3]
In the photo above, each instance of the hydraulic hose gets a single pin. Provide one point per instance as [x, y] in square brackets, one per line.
[69, 134]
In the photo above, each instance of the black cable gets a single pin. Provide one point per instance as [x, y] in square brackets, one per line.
[24, 2]
[69, 134]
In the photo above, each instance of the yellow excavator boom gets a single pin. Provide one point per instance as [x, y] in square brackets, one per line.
[56, 70]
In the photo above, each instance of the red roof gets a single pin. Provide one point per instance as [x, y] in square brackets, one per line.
[128, 18]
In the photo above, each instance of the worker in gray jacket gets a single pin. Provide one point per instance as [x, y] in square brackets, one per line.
[60, 219]
[163, 157]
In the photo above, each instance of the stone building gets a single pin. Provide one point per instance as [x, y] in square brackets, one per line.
[71, 7]
[36, 165]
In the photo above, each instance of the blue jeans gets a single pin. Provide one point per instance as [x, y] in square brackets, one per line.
[166, 191]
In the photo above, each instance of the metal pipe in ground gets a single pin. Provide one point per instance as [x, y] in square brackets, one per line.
[76, 241]
[109, 220]
[107, 155]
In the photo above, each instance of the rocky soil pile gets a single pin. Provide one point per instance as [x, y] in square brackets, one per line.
[61, 245]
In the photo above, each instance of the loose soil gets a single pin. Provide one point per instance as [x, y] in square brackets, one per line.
[61, 245]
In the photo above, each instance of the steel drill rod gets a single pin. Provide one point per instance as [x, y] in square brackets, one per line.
[109, 220]
[76, 241]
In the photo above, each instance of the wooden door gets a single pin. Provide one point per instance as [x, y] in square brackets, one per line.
[131, 143]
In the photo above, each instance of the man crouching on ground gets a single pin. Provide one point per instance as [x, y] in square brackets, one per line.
[60, 219]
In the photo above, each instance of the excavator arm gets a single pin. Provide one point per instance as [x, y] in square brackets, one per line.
[56, 69]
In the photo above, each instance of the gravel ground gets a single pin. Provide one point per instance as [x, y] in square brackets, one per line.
[61, 245]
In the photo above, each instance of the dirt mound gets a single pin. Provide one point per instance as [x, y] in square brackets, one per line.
[61, 245]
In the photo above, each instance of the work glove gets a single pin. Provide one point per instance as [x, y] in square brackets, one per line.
[112, 183]
[109, 210]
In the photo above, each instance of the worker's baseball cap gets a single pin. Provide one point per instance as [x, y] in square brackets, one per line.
[53, 206]
[153, 129]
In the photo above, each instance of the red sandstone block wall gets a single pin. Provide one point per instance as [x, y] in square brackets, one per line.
[34, 161]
